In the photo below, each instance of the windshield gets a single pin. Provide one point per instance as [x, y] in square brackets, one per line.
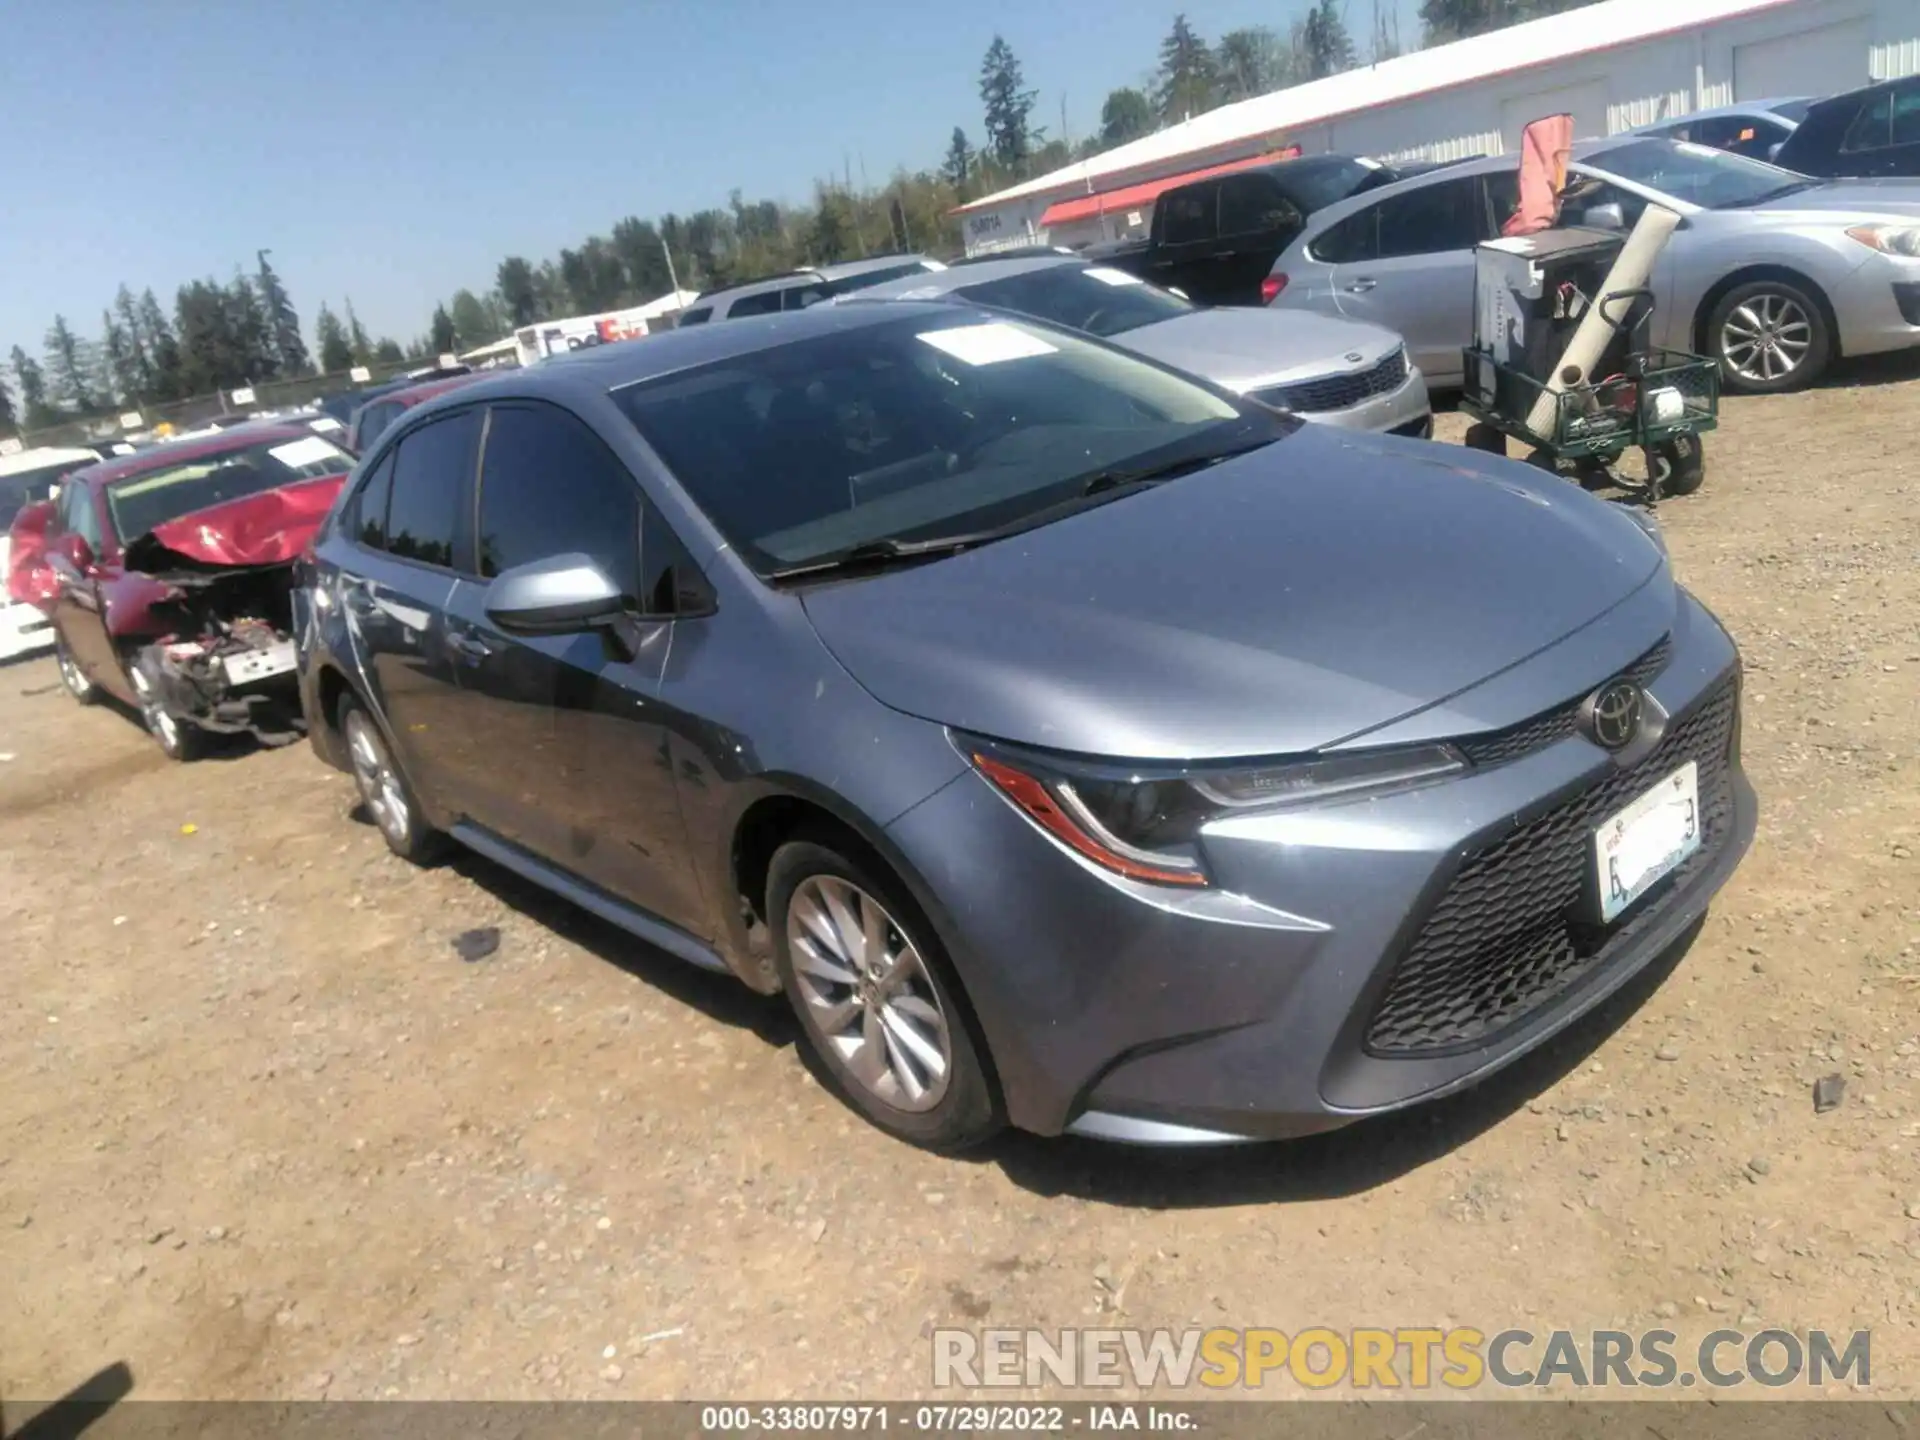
[919, 427]
[30, 487]
[1712, 179]
[1081, 297]
[141, 502]
[1315, 184]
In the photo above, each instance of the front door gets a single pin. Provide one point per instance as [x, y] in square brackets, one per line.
[1411, 269]
[570, 760]
[407, 523]
[79, 607]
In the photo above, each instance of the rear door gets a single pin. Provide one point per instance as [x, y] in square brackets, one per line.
[1406, 262]
[570, 760]
[1884, 138]
[1257, 221]
[1186, 234]
[408, 519]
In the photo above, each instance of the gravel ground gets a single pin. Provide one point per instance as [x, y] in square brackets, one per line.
[263, 1134]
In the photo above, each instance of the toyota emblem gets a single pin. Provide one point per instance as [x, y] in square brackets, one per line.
[1614, 712]
[1354, 357]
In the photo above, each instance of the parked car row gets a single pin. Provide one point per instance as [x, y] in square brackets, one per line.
[1062, 733]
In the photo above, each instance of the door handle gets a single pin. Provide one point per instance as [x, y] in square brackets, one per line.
[470, 648]
[1360, 287]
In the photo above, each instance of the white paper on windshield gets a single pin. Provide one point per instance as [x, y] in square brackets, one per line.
[933, 264]
[988, 344]
[1112, 277]
[310, 451]
[326, 424]
[1687, 147]
[919, 292]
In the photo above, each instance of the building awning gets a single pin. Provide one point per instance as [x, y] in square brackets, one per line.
[1089, 207]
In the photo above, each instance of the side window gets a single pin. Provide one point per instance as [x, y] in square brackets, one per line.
[1253, 205]
[699, 315]
[80, 515]
[765, 303]
[801, 296]
[1190, 214]
[431, 468]
[370, 505]
[1353, 240]
[1872, 128]
[1431, 220]
[549, 486]
[1503, 198]
[1906, 116]
[377, 417]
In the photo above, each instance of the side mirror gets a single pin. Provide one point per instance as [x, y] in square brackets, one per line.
[561, 595]
[1607, 216]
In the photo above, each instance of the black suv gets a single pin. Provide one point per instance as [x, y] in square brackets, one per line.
[1868, 132]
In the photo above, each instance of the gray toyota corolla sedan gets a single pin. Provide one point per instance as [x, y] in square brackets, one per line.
[1075, 744]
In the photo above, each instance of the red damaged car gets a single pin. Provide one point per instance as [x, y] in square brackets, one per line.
[168, 576]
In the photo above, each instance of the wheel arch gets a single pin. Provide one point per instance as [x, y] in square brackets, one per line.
[1746, 274]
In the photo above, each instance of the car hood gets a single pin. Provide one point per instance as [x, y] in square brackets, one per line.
[270, 528]
[1243, 348]
[1276, 603]
[1858, 199]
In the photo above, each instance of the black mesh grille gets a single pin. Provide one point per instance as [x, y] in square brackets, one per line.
[1498, 747]
[1508, 935]
[1340, 392]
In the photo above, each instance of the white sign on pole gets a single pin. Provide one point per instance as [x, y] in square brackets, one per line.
[132, 420]
[242, 396]
[359, 374]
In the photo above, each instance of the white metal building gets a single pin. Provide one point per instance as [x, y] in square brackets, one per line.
[1613, 66]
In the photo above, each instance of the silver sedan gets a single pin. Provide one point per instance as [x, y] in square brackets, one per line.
[1771, 273]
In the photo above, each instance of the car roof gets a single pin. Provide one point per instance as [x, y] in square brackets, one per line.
[410, 395]
[945, 282]
[1863, 92]
[240, 437]
[45, 455]
[1744, 107]
[596, 370]
[787, 280]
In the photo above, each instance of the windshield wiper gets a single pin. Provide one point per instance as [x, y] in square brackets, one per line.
[875, 554]
[1102, 481]
[1778, 192]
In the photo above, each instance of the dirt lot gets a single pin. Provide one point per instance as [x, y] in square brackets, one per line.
[262, 1133]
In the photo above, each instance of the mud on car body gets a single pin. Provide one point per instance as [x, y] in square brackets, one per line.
[168, 577]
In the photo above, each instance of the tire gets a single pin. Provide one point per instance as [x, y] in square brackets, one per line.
[1685, 462]
[178, 739]
[384, 791]
[83, 690]
[1769, 336]
[878, 1022]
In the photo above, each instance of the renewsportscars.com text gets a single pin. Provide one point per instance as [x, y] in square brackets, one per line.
[1408, 1358]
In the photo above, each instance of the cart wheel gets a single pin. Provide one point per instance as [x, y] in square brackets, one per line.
[1683, 465]
[1481, 436]
[1595, 475]
[1544, 460]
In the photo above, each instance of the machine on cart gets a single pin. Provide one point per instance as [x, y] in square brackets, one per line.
[1560, 360]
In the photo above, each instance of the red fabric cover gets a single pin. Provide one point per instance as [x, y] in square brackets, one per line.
[1544, 147]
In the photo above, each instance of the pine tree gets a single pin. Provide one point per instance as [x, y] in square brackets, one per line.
[336, 351]
[515, 275]
[68, 366]
[357, 337]
[283, 322]
[126, 315]
[35, 412]
[1126, 115]
[254, 347]
[1008, 103]
[9, 421]
[162, 350]
[119, 359]
[1325, 42]
[440, 331]
[1187, 75]
[1253, 61]
[957, 168]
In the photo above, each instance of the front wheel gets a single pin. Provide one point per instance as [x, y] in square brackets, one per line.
[1769, 336]
[384, 793]
[83, 690]
[179, 739]
[877, 999]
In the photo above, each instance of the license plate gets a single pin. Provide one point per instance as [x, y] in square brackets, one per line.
[1638, 846]
[259, 664]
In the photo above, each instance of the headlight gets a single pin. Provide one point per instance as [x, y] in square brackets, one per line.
[1146, 825]
[1902, 240]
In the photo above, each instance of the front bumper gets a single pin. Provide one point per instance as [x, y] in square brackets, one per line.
[1877, 307]
[1404, 411]
[1253, 1009]
[24, 630]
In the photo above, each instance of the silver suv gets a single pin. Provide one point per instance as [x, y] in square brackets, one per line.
[797, 289]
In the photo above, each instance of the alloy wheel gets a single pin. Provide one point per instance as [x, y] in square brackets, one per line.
[378, 781]
[163, 726]
[71, 675]
[868, 993]
[1767, 337]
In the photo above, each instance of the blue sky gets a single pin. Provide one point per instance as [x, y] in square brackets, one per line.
[394, 150]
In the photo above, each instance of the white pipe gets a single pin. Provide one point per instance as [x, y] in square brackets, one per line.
[1590, 339]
